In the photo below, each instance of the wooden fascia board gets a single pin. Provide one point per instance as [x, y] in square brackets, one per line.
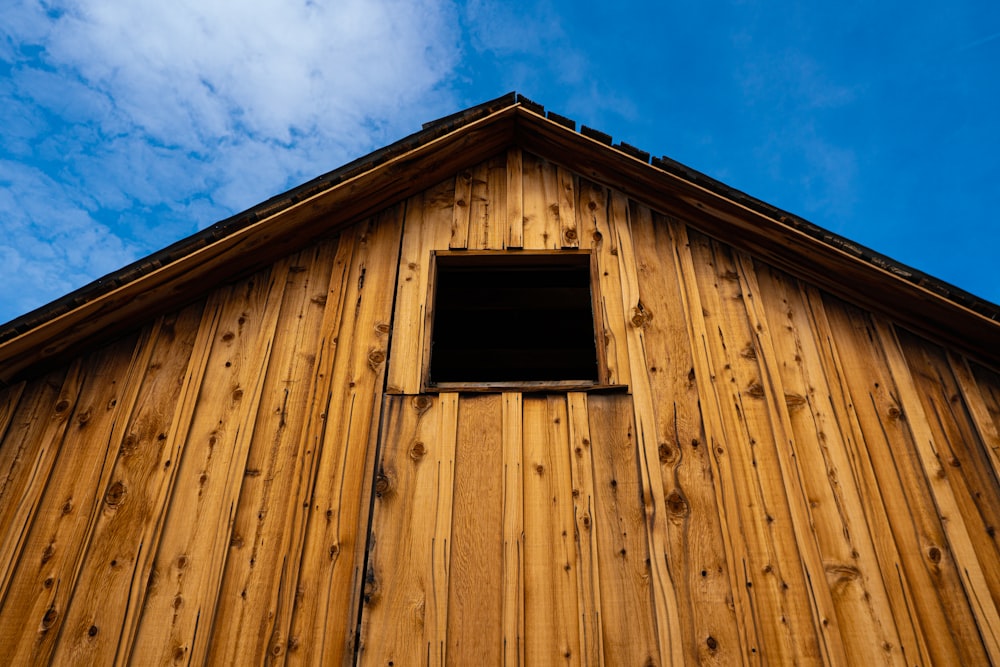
[833, 269]
[256, 245]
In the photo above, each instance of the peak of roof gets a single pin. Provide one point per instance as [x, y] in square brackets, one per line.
[511, 104]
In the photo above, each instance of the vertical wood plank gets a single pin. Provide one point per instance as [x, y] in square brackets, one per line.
[496, 229]
[896, 496]
[707, 603]
[475, 605]
[34, 605]
[541, 227]
[197, 528]
[425, 229]
[584, 512]
[29, 452]
[461, 211]
[593, 228]
[400, 587]
[513, 531]
[665, 607]
[787, 450]
[329, 584]
[119, 551]
[443, 522]
[836, 508]
[631, 630]
[550, 595]
[979, 409]
[479, 207]
[566, 191]
[515, 199]
[257, 586]
[9, 399]
[958, 444]
[962, 548]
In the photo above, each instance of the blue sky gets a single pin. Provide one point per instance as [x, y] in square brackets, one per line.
[125, 126]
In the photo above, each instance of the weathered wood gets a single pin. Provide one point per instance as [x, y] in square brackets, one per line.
[632, 626]
[109, 591]
[426, 228]
[515, 199]
[820, 462]
[461, 210]
[497, 216]
[197, 530]
[594, 229]
[929, 452]
[257, 586]
[28, 454]
[540, 227]
[401, 588]
[664, 596]
[566, 193]
[773, 574]
[584, 513]
[34, 605]
[479, 208]
[977, 399]
[329, 588]
[960, 451]
[696, 548]
[513, 531]
[9, 398]
[475, 605]
[932, 590]
[550, 581]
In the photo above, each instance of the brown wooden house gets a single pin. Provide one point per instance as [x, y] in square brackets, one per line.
[503, 392]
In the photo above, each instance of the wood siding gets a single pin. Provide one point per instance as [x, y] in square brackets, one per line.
[256, 477]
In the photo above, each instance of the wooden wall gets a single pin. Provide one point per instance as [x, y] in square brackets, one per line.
[257, 477]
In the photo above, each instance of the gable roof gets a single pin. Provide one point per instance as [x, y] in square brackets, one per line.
[254, 238]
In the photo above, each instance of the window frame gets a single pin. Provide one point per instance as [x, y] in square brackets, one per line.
[511, 258]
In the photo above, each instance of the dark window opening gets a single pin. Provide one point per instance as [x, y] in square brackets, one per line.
[507, 318]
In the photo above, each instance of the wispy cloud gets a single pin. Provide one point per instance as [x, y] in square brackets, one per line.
[160, 118]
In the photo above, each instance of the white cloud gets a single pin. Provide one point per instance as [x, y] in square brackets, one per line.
[133, 120]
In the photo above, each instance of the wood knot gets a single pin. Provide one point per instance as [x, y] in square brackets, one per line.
[228, 336]
[640, 316]
[67, 506]
[539, 469]
[237, 394]
[129, 444]
[49, 552]
[666, 452]
[182, 562]
[712, 643]
[934, 555]
[382, 485]
[755, 390]
[895, 413]
[375, 359]
[585, 521]
[570, 235]
[49, 619]
[422, 403]
[677, 504]
[794, 401]
[382, 328]
[62, 406]
[418, 451]
[749, 352]
[83, 417]
[115, 494]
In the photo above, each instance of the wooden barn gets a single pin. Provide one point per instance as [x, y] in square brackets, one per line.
[503, 392]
